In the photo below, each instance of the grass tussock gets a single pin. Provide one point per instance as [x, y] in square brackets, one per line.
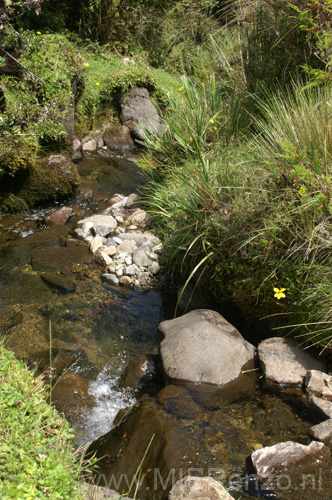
[240, 186]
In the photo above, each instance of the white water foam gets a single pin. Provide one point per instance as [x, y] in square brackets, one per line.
[110, 399]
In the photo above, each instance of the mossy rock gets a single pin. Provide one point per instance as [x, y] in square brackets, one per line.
[51, 179]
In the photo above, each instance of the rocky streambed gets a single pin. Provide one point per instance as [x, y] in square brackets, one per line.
[191, 394]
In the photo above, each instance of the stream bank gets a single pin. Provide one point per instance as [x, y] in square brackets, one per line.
[49, 277]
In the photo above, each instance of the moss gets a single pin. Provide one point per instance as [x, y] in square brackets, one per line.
[12, 204]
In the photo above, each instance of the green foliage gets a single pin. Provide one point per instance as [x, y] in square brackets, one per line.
[36, 457]
[249, 206]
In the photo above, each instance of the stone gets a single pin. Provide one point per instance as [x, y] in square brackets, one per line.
[132, 199]
[154, 268]
[96, 244]
[94, 492]
[143, 278]
[144, 375]
[110, 250]
[141, 239]
[77, 150]
[103, 259]
[138, 216]
[118, 137]
[86, 227]
[128, 246]
[105, 223]
[131, 270]
[60, 216]
[71, 395]
[140, 258]
[319, 384]
[79, 233]
[138, 113]
[126, 281]
[89, 146]
[284, 363]
[63, 259]
[323, 432]
[321, 406]
[283, 456]
[118, 200]
[202, 347]
[110, 278]
[119, 271]
[61, 283]
[198, 488]
[128, 260]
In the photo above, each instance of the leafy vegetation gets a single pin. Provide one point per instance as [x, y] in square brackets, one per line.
[33, 437]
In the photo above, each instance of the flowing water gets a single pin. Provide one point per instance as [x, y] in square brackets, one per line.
[113, 325]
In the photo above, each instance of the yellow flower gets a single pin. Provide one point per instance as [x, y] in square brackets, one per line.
[211, 121]
[302, 190]
[97, 83]
[86, 65]
[181, 88]
[38, 32]
[214, 128]
[279, 293]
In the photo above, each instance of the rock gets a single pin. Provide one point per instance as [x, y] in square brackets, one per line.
[77, 150]
[86, 228]
[128, 246]
[284, 363]
[202, 347]
[138, 113]
[60, 216]
[143, 278]
[319, 384]
[198, 488]
[321, 406]
[110, 250]
[103, 259]
[89, 146]
[53, 179]
[110, 278]
[154, 268]
[138, 216]
[118, 137]
[71, 395]
[132, 199]
[118, 200]
[283, 456]
[93, 492]
[63, 259]
[141, 239]
[61, 283]
[126, 281]
[141, 259]
[144, 375]
[323, 432]
[131, 270]
[96, 244]
[119, 271]
[102, 224]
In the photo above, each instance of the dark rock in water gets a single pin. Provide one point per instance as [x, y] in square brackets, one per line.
[144, 375]
[176, 421]
[23, 288]
[285, 363]
[71, 395]
[202, 347]
[59, 282]
[138, 113]
[53, 259]
[118, 137]
[52, 179]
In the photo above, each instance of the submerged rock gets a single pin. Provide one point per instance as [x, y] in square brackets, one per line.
[284, 456]
[60, 216]
[202, 347]
[284, 363]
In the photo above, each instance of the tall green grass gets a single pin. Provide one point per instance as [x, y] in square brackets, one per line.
[246, 197]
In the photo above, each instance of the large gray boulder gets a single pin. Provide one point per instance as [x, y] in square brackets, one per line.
[138, 113]
[284, 363]
[202, 347]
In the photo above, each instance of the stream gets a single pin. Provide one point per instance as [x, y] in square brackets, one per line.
[111, 325]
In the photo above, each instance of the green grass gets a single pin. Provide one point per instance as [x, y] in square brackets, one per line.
[36, 456]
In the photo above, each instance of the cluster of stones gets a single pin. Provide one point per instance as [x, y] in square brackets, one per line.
[118, 241]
